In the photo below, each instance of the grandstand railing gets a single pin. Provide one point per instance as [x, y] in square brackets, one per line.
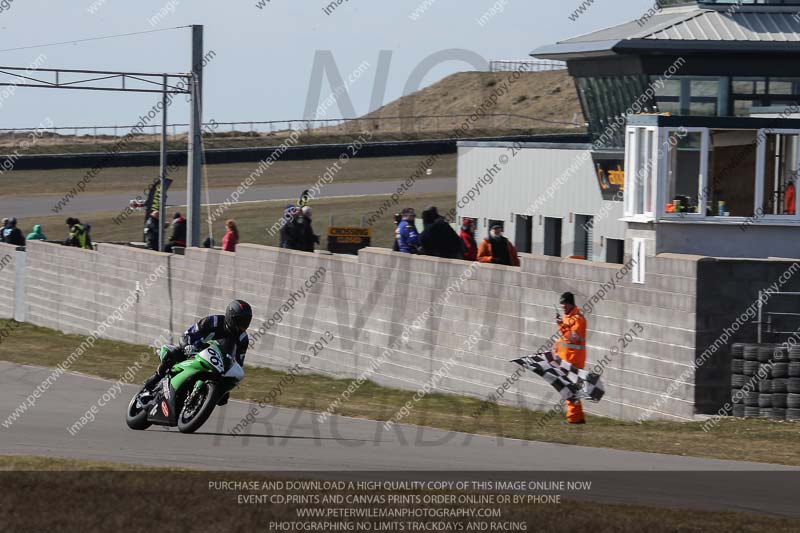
[526, 65]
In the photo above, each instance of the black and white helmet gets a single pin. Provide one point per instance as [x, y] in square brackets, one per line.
[238, 316]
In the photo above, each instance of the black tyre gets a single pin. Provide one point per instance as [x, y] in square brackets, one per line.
[765, 412]
[780, 370]
[738, 411]
[778, 413]
[780, 400]
[780, 385]
[136, 414]
[737, 366]
[765, 400]
[793, 415]
[794, 370]
[751, 399]
[781, 355]
[737, 350]
[794, 353]
[793, 385]
[197, 409]
[765, 386]
[765, 352]
[750, 352]
[737, 381]
[750, 368]
[752, 412]
[793, 401]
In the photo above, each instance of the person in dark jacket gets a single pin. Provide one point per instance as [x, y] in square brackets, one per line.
[468, 238]
[397, 219]
[306, 234]
[439, 239]
[497, 249]
[229, 329]
[12, 234]
[151, 231]
[178, 236]
[3, 226]
[290, 232]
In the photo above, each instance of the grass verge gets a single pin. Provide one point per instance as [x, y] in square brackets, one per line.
[734, 439]
[90, 496]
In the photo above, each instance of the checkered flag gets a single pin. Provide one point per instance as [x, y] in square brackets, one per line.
[571, 382]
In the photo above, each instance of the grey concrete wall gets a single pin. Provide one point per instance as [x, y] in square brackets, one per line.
[365, 302]
[8, 259]
[758, 240]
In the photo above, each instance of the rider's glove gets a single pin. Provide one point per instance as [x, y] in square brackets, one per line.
[191, 349]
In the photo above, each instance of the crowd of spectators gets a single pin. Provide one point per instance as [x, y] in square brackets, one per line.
[439, 239]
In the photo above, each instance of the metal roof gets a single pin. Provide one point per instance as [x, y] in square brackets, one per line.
[709, 27]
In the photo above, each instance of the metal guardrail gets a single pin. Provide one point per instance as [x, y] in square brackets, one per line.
[528, 65]
[410, 123]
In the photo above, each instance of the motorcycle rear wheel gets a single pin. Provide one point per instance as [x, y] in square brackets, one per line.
[136, 417]
[195, 413]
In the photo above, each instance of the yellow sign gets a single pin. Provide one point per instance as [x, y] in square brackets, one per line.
[348, 239]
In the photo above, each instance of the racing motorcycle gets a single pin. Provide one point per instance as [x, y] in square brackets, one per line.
[188, 394]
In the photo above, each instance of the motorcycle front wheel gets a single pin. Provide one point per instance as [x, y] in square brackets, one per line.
[198, 408]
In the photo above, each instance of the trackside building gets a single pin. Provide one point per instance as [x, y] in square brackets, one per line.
[692, 150]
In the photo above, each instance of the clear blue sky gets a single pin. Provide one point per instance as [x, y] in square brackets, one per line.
[264, 57]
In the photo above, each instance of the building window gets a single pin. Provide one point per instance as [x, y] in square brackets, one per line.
[687, 159]
[779, 157]
[732, 173]
[615, 251]
[684, 95]
[749, 93]
[552, 236]
[642, 160]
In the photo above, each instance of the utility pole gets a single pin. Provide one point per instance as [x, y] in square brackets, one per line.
[195, 155]
[162, 204]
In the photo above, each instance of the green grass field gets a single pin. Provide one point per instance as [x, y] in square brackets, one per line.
[735, 439]
[134, 180]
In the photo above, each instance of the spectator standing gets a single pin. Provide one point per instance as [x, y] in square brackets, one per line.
[36, 234]
[468, 238]
[497, 249]
[78, 234]
[408, 239]
[178, 236]
[397, 218]
[231, 238]
[151, 231]
[305, 230]
[12, 234]
[439, 239]
[289, 232]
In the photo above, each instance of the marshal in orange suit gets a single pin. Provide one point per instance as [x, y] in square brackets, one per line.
[571, 346]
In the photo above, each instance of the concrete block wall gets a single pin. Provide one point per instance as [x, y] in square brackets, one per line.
[373, 301]
[8, 272]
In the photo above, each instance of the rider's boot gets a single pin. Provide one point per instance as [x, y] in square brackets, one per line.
[151, 382]
[224, 399]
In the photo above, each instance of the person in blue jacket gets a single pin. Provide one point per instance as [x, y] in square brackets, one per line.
[407, 235]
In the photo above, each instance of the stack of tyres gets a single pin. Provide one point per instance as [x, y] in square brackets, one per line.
[737, 379]
[779, 383]
[793, 384]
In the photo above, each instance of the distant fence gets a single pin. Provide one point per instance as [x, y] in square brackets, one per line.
[406, 123]
[529, 65]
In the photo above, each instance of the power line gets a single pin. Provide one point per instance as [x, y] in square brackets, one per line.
[92, 39]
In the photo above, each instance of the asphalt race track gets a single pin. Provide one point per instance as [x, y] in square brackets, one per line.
[33, 206]
[292, 440]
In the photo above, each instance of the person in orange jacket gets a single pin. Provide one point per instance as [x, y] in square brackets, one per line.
[571, 346]
[497, 249]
